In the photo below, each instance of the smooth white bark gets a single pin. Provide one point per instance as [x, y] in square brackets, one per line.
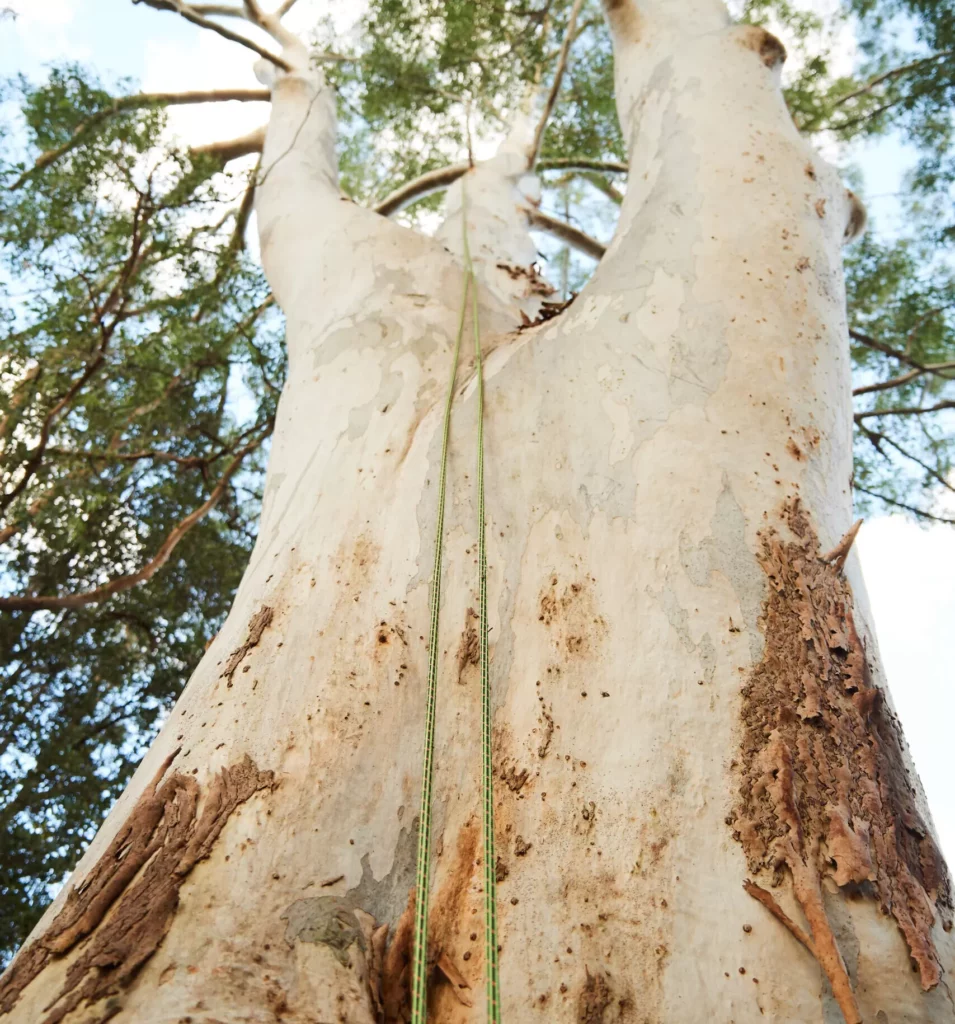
[635, 447]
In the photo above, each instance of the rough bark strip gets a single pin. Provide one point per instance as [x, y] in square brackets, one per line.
[824, 789]
[258, 624]
[163, 839]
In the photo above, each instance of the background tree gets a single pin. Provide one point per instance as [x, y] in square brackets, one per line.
[144, 358]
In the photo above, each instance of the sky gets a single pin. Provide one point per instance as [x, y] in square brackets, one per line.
[909, 569]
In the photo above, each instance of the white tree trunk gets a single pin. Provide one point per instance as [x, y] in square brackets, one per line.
[683, 703]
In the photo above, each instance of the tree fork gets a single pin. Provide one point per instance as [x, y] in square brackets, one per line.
[666, 462]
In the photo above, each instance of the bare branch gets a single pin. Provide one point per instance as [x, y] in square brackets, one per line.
[232, 149]
[121, 583]
[877, 439]
[551, 100]
[580, 240]
[443, 177]
[219, 11]
[430, 181]
[189, 461]
[143, 99]
[903, 357]
[905, 410]
[903, 69]
[896, 382]
[908, 508]
[178, 7]
[284, 8]
[575, 163]
[602, 185]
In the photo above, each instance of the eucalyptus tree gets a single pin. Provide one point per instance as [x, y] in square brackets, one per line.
[662, 700]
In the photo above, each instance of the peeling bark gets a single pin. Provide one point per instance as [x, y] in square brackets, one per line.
[126, 903]
[824, 789]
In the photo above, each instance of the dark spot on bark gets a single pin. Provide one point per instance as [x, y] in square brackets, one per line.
[514, 779]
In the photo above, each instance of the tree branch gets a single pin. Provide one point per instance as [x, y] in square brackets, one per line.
[121, 583]
[903, 357]
[903, 69]
[232, 149]
[116, 299]
[908, 508]
[143, 99]
[567, 233]
[905, 410]
[551, 100]
[579, 163]
[187, 12]
[895, 382]
[603, 185]
[434, 181]
[430, 181]
[877, 439]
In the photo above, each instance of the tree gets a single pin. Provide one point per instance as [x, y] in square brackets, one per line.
[702, 799]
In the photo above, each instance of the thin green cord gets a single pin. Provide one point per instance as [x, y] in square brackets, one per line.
[419, 994]
[487, 770]
[419, 975]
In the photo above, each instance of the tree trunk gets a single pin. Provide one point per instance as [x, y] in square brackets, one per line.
[687, 695]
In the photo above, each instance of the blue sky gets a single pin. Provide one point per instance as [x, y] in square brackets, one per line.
[909, 570]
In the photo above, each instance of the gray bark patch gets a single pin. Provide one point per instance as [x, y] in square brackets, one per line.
[331, 920]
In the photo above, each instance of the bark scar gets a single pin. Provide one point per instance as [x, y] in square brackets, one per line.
[258, 624]
[136, 882]
[824, 789]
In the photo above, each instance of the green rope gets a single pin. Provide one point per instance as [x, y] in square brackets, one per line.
[487, 769]
[419, 992]
[419, 971]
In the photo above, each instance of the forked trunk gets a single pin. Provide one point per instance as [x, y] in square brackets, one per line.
[686, 693]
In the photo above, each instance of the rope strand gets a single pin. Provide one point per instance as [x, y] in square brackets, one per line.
[487, 769]
[419, 972]
[419, 994]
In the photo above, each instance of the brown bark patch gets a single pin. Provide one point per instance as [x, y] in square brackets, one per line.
[547, 731]
[625, 21]
[824, 788]
[771, 51]
[595, 999]
[258, 624]
[514, 777]
[571, 615]
[469, 651]
[127, 901]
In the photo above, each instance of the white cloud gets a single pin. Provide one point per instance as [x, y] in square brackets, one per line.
[40, 30]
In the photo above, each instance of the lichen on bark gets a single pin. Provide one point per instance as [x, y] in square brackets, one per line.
[824, 789]
[126, 903]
